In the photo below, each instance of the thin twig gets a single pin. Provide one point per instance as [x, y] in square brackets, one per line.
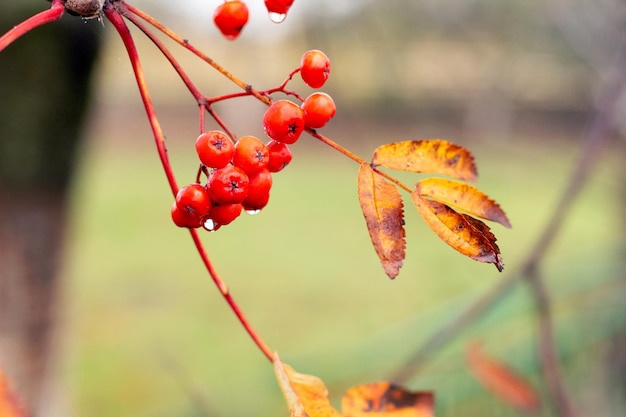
[597, 138]
[159, 139]
[548, 356]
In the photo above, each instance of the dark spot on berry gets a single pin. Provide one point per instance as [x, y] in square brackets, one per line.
[293, 128]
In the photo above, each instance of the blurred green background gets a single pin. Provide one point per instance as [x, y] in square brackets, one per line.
[145, 333]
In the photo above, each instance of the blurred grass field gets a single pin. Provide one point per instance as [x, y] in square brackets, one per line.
[147, 334]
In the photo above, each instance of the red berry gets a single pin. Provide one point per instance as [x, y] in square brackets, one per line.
[283, 121]
[318, 108]
[223, 214]
[228, 185]
[193, 200]
[230, 18]
[258, 191]
[278, 6]
[214, 149]
[251, 155]
[182, 219]
[280, 155]
[314, 68]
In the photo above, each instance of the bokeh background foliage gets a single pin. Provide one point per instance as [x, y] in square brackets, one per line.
[145, 334]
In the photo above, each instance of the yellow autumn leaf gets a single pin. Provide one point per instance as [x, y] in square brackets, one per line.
[432, 155]
[467, 235]
[501, 380]
[306, 395]
[464, 197]
[383, 399]
[382, 208]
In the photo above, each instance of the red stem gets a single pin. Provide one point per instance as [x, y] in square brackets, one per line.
[55, 12]
[356, 158]
[221, 123]
[195, 92]
[223, 288]
[116, 19]
[202, 109]
[185, 43]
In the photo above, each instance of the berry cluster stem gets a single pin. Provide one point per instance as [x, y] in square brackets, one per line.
[223, 289]
[115, 17]
[185, 44]
[55, 12]
[356, 158]
[118, 22]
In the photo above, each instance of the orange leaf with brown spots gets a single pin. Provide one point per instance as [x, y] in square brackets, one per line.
[382, 208]
[464, 197]
[386, 400]
[467, 235]
[307, 396]
[433, 156]
[501, 380]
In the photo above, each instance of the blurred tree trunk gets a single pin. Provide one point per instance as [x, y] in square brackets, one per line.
[44, 90]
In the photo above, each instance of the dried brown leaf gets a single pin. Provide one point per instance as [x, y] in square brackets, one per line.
[306, 395]
[501, 380]
[382, 208]
[386, 400]
[463, 196]
[469, 236]
[433, 156]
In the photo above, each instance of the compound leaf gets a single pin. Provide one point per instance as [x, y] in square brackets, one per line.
[433, 156]
[462, 196]
[306, 395]
[386, 400]
[501, 380]
[467, 235]
[382, 208]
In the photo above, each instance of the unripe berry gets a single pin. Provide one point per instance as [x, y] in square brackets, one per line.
[283, 121]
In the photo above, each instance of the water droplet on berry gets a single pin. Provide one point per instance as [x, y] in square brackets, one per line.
[252, 212]
[210, 225]
[277, 17]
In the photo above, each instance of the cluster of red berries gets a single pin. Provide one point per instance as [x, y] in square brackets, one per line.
[231, 16]
[239, 174]
[239, 177]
